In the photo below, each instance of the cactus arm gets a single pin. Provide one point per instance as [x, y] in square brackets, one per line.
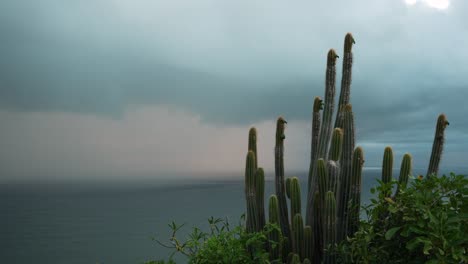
[295, 197]
[252, 210]
[352, 217]
[279, 177]
[437, 145]
[260, 197]
[275, 236]
[253, 144]
[308, 243]
[318, 105]
[405, 171]
[343, 196]
[345, 79]
[387, 165]
[329, 226]
[298, 234]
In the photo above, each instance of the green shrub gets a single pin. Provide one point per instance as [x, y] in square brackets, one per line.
[426, 222]
[222, 244]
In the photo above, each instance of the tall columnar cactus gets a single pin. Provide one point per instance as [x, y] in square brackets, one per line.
[336, 145]
[260, 197]
[279, 176]
[355, 194]
[308, 242]
[318, 105]
[387, 165]
[437, 145]
[329, 227]
[405, 171]
[344, 195]
[298, 235]
[252, 210]
[295, 197]
[345, 79]
[253, 144]
[275, 236]
[288, 187]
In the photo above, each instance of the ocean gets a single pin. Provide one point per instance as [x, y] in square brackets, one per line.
[57, 223]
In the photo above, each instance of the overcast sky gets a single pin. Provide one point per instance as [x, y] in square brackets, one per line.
[143, 88]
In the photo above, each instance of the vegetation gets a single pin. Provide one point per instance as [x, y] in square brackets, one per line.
[427, 218]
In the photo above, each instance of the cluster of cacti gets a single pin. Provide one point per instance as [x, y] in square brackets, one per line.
[334, 179]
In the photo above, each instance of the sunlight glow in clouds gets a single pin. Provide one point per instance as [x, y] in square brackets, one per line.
[438, 4]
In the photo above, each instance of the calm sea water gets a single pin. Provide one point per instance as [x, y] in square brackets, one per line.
[98, 223]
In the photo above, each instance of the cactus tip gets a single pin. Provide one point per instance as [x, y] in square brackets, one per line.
[332, 57]
[349, 41]
[318, 104]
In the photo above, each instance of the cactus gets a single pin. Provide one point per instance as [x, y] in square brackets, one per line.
[308, 242]
[252, 210]
[253, 144]
[318, 105]
[343, 195]
[279, 176]
[405, 171]
[437, 145]
[275, 236]
[288, 187]
[329, 228]
[295, 259]
[336, 145]
[387, 165]
[298, 235]
[260, 197]
[352, 217]
[345, 79]
[295, 197]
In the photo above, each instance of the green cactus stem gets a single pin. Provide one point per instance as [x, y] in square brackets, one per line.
[318, 105]
[260, 197]
[355, 192]
[252, 210]
[308, 243]
[336, 145]
[326, 128]
[387, 165]
[329, 227]
[405, 171]
[295, 259]
[306, 261]
[295, 197]
[275, 236]
[345, 79]
[437, 145]
[344, 195]
[279, 176]
[288, 187]
[298, 235]
[253, 143]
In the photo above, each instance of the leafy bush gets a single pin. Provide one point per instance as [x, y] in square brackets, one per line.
[222, 244]
[427, 222]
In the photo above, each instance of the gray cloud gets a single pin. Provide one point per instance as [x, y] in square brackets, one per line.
[239, 63]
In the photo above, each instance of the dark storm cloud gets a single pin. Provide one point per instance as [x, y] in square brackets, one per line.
[237, 63]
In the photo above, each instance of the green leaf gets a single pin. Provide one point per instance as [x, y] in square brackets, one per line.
[391, 232]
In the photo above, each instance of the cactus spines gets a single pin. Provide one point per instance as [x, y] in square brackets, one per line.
[318, 105]
[308, 243]
[260, 197]
[329, 234]
[437, 145]
[298, 235]
[252, 210]
[344, 195]
[387, 165]
[253, 143]
[279, 176]
[295, 197]
[405, 171]
[336, 144]
[275, 236]
[355, 195]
